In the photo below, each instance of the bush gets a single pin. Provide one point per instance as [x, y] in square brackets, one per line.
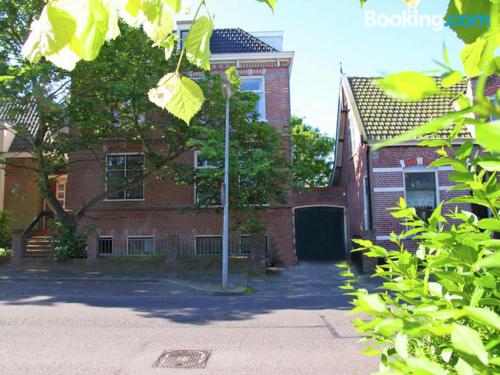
[69, 243]
[5, 252]
[5, 231]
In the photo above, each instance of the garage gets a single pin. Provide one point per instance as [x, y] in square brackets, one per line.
[319, 233]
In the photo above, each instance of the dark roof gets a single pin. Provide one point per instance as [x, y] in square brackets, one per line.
[237, 41]
[384, 117]
[24, 116]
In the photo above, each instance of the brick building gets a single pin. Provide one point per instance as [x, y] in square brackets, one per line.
[375, 180]
[159, 215]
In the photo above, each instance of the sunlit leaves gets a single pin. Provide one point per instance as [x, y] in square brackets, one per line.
[197, 43]
[159, 22]
[270, 3]
[178, 6]
[468, 342]
[488, 135]
[411, 86]
[49, 34]
[179, 95]
[474, 10]
[450, 79]
[471, 57]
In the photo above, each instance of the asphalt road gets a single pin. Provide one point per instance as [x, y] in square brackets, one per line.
[121, 327]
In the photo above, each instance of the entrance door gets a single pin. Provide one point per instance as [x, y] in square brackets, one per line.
[319, 233]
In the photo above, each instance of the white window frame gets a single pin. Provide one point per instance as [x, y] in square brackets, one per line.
[106, 176]
[143, 237]
[422, 169]
[263, 116]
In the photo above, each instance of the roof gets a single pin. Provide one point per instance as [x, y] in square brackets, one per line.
[384, 117]
[24, 115]
[237, 41]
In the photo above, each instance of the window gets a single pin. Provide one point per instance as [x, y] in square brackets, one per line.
[141, 245]
[208, 245]
[257, 86]
[121, 169]
[245, 245]
[61, 193]
[494, 103]
[421, 192]
[182, 37]
[105, 245]
[205, 192]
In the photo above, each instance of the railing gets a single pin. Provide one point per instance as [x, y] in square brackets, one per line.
[44, 214]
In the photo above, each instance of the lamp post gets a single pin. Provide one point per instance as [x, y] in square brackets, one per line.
[225, 187]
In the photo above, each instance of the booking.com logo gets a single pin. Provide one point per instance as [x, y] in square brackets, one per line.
[412, 18]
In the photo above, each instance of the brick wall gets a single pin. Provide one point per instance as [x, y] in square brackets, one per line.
[21, 193]
[167, 207]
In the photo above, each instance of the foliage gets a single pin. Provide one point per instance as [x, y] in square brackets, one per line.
[5, 252]
[69, 31]
[437, 309]
[5, 231]
[68, 242]
[312, 155]
[259, 169]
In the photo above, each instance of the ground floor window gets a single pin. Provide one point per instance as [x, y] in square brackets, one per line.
[245, 245]
[208, 245]
[420, 189]
[141, 245]
[105, 245]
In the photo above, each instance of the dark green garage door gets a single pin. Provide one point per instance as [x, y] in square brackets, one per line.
[319, 233]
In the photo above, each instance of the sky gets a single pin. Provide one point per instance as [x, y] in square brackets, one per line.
[324, 33]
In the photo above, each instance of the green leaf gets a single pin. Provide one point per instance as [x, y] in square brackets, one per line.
[473, 9]
[485, 316]
[409, 86]
[471, 57]
[182, 97]
[424, 366]
[492, 261]
[92, 26]
[179, 5]
[468, 342]
[489, 224]
[49, 34]
[272, 3]
[451, 79]
[463, 368]
[159, 22]
[401, 345]
[198, 43]
[433, 126]
[371, 303]
[465, 150]
[488, 134]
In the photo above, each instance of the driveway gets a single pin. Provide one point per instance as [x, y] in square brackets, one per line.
[294, 324]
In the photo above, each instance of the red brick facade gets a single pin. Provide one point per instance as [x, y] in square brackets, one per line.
[167, 207]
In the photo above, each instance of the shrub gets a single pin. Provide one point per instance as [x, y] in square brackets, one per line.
[69, 243]
[5, 231]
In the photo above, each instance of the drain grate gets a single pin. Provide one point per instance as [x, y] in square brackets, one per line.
[183, 359]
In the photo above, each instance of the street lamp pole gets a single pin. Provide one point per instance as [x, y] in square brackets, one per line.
[225, 233]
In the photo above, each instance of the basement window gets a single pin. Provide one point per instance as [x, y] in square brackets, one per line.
[208, 245]
[138, 246]
[105, 245]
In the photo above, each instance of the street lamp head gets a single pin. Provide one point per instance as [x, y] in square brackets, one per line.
[227, 89]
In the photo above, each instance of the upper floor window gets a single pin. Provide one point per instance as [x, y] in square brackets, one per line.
[182, 37]
[257, 86]
[421, 192]
[123, 169]
[205, 193]
[493, 102]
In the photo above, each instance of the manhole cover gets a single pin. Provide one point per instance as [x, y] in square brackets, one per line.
[183, 359]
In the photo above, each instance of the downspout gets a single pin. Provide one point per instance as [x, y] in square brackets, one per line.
[369, 187]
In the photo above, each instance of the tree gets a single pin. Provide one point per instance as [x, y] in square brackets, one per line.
[115, 85]
[69, 31]
[437, 310]
[312, 155]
